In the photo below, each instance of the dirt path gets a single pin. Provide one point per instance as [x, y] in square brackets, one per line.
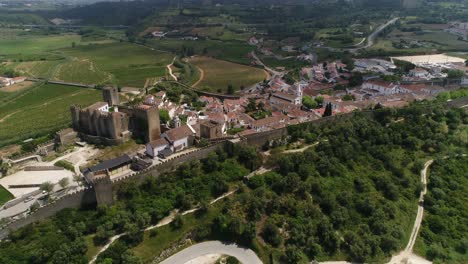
[202, 77]
[301, 149]
[407, 256]
[7, 116]
[165, 221]
[169, 68]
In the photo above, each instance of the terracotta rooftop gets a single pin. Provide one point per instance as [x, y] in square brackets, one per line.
[179, 133]
[158, 142]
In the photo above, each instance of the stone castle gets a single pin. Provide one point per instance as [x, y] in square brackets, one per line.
[109, 123]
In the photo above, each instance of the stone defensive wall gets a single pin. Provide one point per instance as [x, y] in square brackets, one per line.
[169, 164]
[77, 199]
[87, 196]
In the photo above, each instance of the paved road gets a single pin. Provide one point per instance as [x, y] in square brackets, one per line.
[370, 39]
[375, 34]
[244, 255]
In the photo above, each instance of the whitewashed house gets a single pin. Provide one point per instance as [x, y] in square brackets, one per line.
[154, 147]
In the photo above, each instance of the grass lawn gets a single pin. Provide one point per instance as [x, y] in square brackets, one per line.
[152, 247]
[219, 74]
[39, 110]
[5, 195]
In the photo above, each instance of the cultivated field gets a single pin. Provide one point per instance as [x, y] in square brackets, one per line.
[39, 110]
[13, 43]
[128, 64]
[216, 75]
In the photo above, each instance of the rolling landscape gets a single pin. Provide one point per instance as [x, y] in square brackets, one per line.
[208, 132]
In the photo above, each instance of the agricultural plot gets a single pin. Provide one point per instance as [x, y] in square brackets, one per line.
[33, 44]
[36, 69]
[39, 110]
[216, 75]
[129, 64]
[80, 71]
[233, 51]
[446, 40]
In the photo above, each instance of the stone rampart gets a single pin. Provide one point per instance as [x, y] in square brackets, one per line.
[75, 199]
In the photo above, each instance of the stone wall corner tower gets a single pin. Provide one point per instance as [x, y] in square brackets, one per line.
[111, 95]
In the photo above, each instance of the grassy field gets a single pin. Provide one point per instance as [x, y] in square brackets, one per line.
[90, 61]
[128, 64]
[37, 69]
[218, 74]
[5, 196]
[446, 40]
[39, 110]
[32, 44]
[80, 71]
[234, 51]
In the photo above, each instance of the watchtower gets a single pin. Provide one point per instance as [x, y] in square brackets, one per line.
[111, 95]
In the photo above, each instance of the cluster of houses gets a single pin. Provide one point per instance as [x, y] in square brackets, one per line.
[460, 29]
[332, 72]
[374, 65]
[5, 81]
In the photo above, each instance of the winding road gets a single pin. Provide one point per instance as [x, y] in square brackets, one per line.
[244, 255]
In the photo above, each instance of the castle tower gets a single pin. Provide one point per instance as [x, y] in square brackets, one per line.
[103, 188]
[111, 95]
[75, 116]
[154, 126]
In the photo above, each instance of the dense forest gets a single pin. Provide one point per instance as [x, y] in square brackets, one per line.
[444, 233]
[352, 196]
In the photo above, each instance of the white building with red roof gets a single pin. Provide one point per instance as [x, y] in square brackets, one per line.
[377, 87]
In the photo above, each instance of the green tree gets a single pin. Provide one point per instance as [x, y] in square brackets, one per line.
[319, 100]
[64, 182]
[230, 89]
[294, 255]
[308, 102]
[271, 234]
[178, 222]
[455, 74]
[164, 117]
[328, 110]
[47, 187]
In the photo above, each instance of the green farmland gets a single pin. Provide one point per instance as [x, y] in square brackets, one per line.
[39, 110]
[12, 43]
[128, 64]
[217, 75]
